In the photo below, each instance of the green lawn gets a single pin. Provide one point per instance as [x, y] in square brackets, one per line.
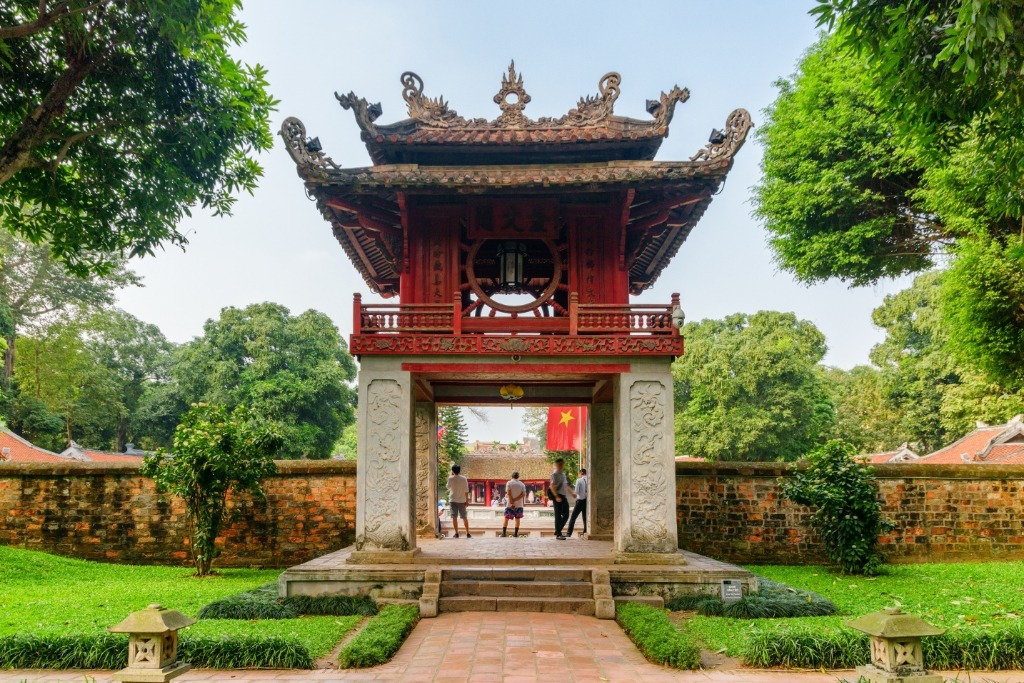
[41, 594]
[949, 595]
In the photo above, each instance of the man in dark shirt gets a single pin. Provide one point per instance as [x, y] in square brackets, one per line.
[559, 489]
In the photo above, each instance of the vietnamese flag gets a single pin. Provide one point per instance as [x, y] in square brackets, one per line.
[565, 428]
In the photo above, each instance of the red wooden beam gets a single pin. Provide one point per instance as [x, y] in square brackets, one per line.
[516, 368]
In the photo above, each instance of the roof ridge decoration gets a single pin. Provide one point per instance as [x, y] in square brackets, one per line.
[512, 98]
[726, 143]
[305, 152]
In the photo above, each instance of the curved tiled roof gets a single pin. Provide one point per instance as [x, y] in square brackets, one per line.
[20, 450]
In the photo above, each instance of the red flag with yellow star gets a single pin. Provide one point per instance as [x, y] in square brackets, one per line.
[565, 428]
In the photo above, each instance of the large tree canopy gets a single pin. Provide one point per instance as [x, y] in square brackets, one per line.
[117, 117]
[290, 369]
[749, 388]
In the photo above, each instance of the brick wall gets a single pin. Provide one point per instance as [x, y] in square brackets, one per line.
[730, 511]
[736, 512]
[110, 512]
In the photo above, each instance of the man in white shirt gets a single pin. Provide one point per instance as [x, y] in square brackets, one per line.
[581, 502]
[458, 496]
[515, 493]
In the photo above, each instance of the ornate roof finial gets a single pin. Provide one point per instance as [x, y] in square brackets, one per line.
[512, 111]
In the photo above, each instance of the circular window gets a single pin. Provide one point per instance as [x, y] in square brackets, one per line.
[513, 287]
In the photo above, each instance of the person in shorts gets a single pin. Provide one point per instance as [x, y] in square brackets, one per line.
[458, 497]
[515, 493]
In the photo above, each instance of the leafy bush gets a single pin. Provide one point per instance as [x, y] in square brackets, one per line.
[658, 638]
[214, 454]
[333, 605]
[773, 600]
[381, 638]
[849, 515]
[263, 603]
[258, 603]
[245, 652]
[807, 648]
[109, 651]
[970, 648]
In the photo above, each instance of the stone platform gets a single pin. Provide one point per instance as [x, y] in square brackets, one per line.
[530, 562]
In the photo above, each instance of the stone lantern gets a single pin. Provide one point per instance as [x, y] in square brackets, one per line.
[896, 655]
[152, 645]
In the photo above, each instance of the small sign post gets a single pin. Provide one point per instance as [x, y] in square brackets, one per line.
[732, 590]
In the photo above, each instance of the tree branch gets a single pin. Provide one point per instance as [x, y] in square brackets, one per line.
[47, 18]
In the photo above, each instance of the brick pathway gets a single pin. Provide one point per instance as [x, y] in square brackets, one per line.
[483, 647]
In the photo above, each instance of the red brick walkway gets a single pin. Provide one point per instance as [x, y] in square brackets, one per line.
[491, 647]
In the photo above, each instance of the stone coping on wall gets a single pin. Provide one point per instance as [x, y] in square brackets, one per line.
[771, 470]
[97, 469]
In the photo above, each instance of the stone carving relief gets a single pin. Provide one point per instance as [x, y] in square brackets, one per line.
[384, 450]
[648, 412]
[425, 512]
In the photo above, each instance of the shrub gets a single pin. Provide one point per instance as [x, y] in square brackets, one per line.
[969, 648]
[258, 603]
[333, 605]
[109, 651]
[848, 515]
[657, 637]
[773, 600]
[806, 648]
[380, 638]
[214, 453]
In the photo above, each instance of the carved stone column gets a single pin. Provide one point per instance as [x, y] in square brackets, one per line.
[601, 506]
[645, 511]
[385, 512]
[426, 469]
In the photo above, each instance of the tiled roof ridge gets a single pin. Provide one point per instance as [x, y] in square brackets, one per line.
[29, 444]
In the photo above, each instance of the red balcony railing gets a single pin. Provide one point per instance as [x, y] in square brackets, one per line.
[582, 319]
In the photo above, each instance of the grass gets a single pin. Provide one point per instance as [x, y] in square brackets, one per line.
[263, 603]
[54, 612]
[380, 639]
[658, 638]
[773, 600]
[981, 603]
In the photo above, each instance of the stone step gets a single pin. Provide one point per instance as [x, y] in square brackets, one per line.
[510, 604]
[517, 589]
[653, 600]
[517, 574]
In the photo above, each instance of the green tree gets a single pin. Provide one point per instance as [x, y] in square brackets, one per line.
[749, 388]
[123, 116]
[36, 290]
[864, 416]
[294, 370]
[451, 446]
[348, 443]
[215, 453]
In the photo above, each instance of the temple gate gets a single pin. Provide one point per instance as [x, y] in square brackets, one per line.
[512, 247]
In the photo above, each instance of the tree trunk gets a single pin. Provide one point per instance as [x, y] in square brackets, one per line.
[8, 364]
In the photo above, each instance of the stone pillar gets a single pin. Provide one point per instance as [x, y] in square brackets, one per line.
[601, 505]
[385, 509]
[425, 415]
[645, 509]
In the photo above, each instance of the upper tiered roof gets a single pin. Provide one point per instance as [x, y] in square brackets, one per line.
[589, 151]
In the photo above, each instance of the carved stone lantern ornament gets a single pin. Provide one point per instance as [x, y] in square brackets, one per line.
[896, 655]
[152, 645]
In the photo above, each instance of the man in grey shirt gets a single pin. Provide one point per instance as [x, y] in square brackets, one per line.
[581, 502]
[559, 489]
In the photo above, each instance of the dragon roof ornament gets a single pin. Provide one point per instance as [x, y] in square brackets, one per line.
[512, 98]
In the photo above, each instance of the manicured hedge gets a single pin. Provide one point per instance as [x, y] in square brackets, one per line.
[657, 637]
[773, 600]
[380, 639]
[264, 603]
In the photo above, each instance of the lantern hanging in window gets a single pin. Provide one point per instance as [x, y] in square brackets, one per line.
[511, 267]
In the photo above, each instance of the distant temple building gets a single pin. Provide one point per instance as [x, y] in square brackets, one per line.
[489, 466]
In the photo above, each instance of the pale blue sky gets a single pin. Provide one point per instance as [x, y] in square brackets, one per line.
[277, 247]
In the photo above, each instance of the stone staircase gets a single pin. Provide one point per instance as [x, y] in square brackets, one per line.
[565, 590]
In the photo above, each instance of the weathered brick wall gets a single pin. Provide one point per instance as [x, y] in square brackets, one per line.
[730, 511]
[110, 512]
[736, 512]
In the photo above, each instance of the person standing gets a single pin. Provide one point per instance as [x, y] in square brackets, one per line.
[559, 488]
[580, 508]
[458, 497]
[515, 494]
